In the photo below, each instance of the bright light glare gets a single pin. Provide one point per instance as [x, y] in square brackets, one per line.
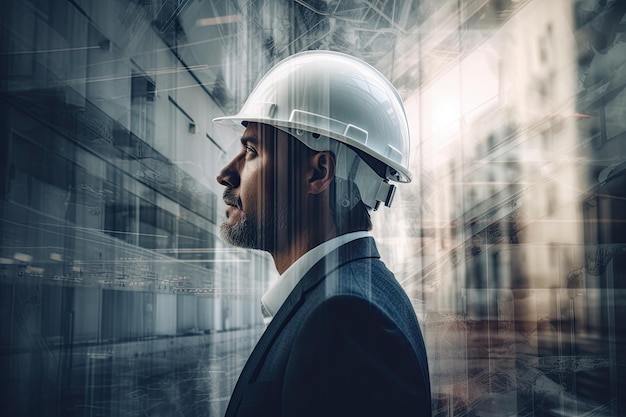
[446, 110]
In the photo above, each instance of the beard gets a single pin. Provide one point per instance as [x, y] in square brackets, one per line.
[251, 233]
[243, 234]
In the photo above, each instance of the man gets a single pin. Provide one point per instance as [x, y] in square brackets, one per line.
[324, 134]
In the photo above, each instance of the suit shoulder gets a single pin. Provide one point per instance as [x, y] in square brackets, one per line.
[344, 306]
[346, 339]
[343, 317]
[371, 280]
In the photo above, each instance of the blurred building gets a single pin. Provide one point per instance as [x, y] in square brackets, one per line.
[109, 202]
[518, 247]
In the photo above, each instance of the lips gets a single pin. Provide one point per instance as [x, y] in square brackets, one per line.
[231, 199]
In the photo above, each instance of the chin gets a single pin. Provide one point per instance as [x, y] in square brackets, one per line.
[241, 233]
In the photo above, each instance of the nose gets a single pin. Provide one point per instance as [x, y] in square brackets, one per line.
[229, 175]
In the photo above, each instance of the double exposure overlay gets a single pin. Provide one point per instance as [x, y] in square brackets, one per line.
[118, 296]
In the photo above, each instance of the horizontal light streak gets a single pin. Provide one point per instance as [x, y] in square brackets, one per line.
[161, 261]
[152, 73]
[219, 20]
[23, 257]
[56, 256]
[200, 250]
[47, 51]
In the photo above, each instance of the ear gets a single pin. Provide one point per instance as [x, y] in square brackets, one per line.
[321, 171]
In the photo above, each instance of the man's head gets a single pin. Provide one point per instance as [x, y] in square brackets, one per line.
[338, 131]
[272, 187]
[277, 189]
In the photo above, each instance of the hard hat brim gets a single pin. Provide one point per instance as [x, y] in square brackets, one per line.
[236, 122]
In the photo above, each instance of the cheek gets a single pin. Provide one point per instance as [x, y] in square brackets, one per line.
[281, 192]
[290, 180]
[252, 188]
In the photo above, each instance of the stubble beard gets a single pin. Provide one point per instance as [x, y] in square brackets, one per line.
[249, 233]
[243, 234]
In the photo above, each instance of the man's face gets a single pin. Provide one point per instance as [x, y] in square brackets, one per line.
[264, 184]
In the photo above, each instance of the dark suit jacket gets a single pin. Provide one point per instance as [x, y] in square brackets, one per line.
[346, 342]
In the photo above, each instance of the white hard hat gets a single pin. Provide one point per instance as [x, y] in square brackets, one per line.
[320, 95]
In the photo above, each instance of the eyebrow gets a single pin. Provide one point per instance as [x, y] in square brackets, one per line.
[249, 139]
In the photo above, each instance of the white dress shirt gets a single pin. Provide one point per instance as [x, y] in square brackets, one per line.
[282, 287]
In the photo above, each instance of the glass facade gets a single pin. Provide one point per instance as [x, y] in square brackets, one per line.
[117, 296]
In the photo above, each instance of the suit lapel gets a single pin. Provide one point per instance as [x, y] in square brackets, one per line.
[351, 251]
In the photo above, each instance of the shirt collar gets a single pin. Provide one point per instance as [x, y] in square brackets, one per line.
[278, 292]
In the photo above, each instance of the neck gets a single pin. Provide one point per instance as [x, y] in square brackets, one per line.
[310, 236]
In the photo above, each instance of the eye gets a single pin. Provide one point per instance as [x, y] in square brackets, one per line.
[250, 151]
